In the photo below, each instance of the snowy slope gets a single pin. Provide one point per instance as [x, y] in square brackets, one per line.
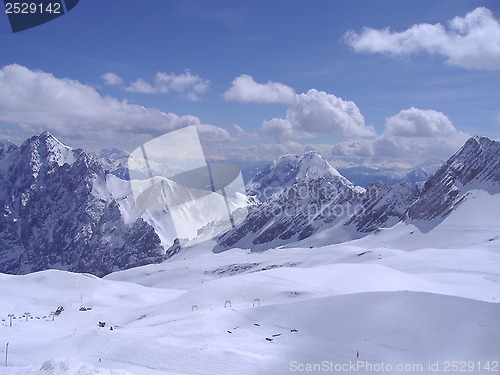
[473, 222]
[323, 304]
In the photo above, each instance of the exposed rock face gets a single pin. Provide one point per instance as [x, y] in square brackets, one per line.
[475, 166]
[53, 217]
[384, 206]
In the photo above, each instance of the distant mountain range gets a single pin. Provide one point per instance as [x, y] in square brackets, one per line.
[115, 161]
[68, 209]
[305, 195]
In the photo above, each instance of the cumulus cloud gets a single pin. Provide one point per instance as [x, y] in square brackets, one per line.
[112, 79]
[244, 89]
[412, 133]
[188, 84]
[38, 101]
[317, 112]
[414, 122]
[470, 42]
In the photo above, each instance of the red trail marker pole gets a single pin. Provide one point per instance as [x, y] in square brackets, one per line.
[6, 354]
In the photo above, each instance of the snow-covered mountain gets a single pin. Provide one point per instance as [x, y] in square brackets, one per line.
[60, 209]
[475, 166]
[300, 196]
[289, 170]
[295, 196]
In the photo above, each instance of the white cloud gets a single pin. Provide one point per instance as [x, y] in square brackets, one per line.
[38, 101]
[414, 122]
[143, 87]
[244, 89]
[470, 42]
[112, 79]
[316, 112]
[412, 133]
[188, 84]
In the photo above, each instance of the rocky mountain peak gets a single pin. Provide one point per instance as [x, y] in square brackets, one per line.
[59, 211]
[291, 169]
[45, 149]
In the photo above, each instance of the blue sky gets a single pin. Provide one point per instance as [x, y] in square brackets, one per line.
[202, 47]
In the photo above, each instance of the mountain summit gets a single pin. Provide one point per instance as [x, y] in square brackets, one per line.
[296, 196]
[289, 170]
